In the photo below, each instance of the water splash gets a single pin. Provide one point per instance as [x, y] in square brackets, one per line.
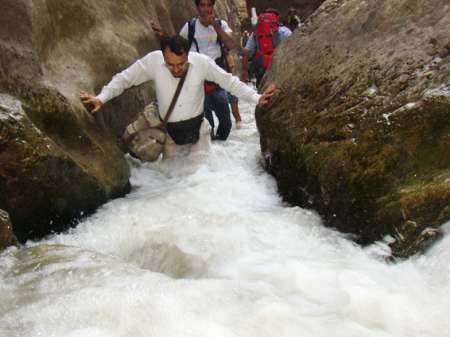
[206, 247]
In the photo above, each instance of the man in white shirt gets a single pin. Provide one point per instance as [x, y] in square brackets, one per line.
[209, 36]
[165, 67]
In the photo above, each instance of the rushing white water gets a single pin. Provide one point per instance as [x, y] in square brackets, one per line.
[204, 246]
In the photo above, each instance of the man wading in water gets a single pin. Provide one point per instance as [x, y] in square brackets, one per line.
[165, 67]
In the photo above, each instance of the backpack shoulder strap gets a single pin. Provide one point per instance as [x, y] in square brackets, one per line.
[222, 50]
[219, 41]
[191, 33]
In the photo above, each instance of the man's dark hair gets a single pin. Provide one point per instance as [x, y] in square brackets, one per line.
[177, 44]
[197, 2]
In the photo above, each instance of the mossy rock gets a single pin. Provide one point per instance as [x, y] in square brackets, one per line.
[363, 131]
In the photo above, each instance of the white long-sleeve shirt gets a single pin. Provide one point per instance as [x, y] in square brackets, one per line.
[190, 101]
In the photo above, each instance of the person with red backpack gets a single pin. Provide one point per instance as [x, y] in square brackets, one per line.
[260, 46]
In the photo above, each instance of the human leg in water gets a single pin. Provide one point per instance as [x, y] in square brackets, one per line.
[220, 105]
[203, 144]
[235, 109]
[171, 149]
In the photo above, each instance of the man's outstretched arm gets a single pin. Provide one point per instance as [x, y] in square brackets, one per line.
[235, 86]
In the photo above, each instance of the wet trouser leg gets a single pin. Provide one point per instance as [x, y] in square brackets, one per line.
[218, 101]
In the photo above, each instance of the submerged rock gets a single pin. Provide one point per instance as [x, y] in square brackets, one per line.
[361, 132]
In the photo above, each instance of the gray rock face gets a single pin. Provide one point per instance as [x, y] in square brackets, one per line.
[360, 129]
[56, 160]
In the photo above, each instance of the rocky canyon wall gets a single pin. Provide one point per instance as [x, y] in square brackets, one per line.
[360, 127]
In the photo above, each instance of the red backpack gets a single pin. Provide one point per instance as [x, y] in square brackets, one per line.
[265, 29]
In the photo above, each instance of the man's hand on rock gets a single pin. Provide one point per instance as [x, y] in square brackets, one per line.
[268, 92]
[92, 103]
[157, 29]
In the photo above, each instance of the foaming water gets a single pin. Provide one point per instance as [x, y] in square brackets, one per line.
[204, 246]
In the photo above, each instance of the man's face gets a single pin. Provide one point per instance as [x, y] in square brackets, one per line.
[177, 64]
[205, 8]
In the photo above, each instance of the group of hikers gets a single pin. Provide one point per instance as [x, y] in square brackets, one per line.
[192, 73]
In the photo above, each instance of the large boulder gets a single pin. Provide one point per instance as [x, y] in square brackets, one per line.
[361, 132]
[52, 169]
[57, 162]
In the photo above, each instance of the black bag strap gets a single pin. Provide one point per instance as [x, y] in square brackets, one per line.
[175, 98]
[191, 33]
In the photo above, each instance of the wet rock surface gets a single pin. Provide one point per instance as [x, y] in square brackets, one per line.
[56, 172]
[360, 129]
[58, 162]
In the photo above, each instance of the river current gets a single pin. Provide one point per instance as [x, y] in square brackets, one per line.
[204, 246]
